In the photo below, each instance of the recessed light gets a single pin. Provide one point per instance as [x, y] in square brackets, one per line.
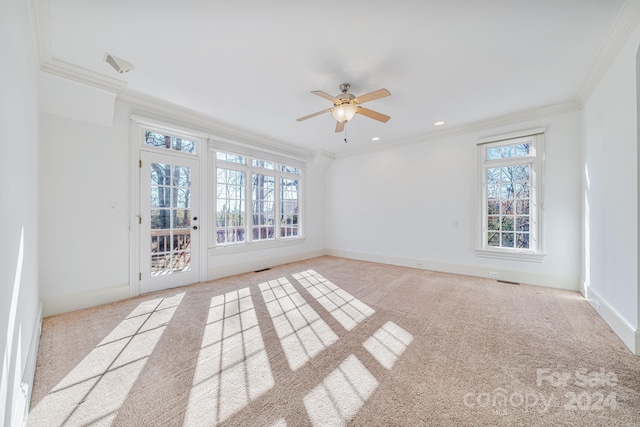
[375, 138]
[439, 123]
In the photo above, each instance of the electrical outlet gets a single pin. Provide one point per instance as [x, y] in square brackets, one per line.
[494, 275]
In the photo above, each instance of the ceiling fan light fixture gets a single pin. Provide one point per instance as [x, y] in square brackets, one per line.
[344, 112]
[345, 106]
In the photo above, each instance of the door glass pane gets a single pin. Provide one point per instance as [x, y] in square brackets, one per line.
[181, 176]
[170, 219]
[181, 218]
[182, 197]
[160, 219]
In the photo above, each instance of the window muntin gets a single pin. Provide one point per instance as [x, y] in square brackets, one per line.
[168, 142]
[269, 205]
[510, 210]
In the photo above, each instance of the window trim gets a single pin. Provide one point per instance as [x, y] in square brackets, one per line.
[249, 244]
[536, 160]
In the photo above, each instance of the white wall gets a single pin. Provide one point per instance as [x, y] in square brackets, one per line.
[610, 194]
[84, 170]
[84, 242]
[19, 300]
[401, 205]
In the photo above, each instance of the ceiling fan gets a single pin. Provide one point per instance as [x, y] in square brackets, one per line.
[346, 105]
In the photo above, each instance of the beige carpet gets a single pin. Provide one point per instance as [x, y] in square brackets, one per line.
[336, 342]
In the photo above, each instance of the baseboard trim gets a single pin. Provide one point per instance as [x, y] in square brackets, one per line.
[538, 279]
[583, 287]
[84, 299]
[220, 271]
[29, 374]
[91, 298]
[627, 333]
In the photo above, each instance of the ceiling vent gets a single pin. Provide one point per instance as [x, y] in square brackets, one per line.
[118, 64]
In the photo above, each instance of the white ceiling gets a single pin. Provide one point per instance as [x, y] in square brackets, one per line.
[252, 64]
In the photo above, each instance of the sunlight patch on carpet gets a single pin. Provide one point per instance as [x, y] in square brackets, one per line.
[341, 394]
[93, 392]
[388, 343]
[233, 367]
[302, 333]
[345, 308]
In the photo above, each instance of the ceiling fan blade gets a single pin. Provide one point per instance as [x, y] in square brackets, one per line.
[325, 95]
[313, 115]
[373, 114]
[380, 93]
[339, 126]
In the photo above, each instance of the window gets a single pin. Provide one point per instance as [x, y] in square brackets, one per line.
[288, 207]
[511, 190]
[263, 220]
[231, 205]
[168, 142]
[256, 200]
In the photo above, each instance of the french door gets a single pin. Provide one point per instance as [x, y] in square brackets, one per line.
[169, 223]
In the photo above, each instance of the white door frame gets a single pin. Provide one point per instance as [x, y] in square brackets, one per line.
[138, 126]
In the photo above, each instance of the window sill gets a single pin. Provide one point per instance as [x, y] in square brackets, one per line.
[255, 246]
[513, 255]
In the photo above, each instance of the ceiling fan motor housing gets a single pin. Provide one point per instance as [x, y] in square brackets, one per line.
[345, 98]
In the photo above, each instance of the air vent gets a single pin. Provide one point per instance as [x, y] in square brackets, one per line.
[118, 64]
[508, 282]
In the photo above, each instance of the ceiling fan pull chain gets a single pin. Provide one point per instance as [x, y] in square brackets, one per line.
[345, 133]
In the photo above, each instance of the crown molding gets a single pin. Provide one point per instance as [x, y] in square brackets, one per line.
[626, 22]
[41, 27]
[41, 23]
[505, 120]
[82, 75]
[146, 105]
